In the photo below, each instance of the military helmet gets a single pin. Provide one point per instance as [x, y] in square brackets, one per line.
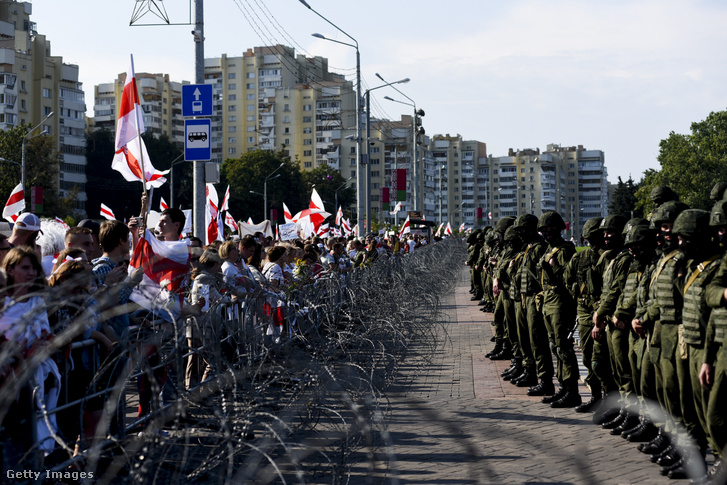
[490, 238]
[510, 234]
[613, 223]
[591, 227]
[668, 212]
[504, 223]
[481, 236]
[640, 233]
[661, 194]
[526, 222]
[472, 237]
[718, 191]
[551, 219]
[633, 222]
[691, 223]
[718, 215]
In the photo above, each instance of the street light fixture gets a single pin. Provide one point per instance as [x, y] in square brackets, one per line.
[359, 148]
[367, 96]
[27, 137]
[265, 190]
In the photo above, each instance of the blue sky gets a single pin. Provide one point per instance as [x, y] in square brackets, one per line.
[617, 76]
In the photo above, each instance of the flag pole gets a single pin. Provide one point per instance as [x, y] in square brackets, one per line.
[141, 151]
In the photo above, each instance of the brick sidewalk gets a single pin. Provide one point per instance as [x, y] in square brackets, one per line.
[452, 420]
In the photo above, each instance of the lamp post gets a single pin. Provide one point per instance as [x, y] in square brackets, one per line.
[265, 190]
[415, 166]
[367, 96]
[27, 137]
[359, 149]
[176, 161]
[441, 190]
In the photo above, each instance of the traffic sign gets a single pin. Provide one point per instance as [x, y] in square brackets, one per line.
[197, 100]
[197, 139]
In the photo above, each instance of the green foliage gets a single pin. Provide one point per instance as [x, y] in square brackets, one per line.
[623, 202]
[690, 164]
[248, 173]
[41, 167]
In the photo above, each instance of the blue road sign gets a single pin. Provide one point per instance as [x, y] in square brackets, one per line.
[197, 100]
[197, 144]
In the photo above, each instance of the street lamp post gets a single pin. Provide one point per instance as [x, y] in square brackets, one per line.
[367, 96]
[265, 190]
[27, 137]
[359, 148]
[441, 190]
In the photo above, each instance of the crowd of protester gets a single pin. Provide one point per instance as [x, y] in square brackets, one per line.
[648, 301]
[62, 287]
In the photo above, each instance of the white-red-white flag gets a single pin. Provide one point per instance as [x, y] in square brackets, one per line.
[397, 208]
[107, 213]
[346, 226]
[213, 230]
[225, 200]
[213, 200]
[163, 204]
[15, 203]
[131, 159]
[448, 230]
[461, 228]
[62, 223]
[323, 230]
[405, 228]
[287, 215]
[439, 230]
[316, 202]
[165, 265]
[355, 229]
[489, 215]
[230, 222]
[339, 216]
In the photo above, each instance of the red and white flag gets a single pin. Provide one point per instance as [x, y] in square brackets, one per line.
[213, 200]
[397, 208]
[165, 265]
[62, 223]
[336, 232]
[249, 221]
[316, 202]
[131, 159]
[225, 200]
[107, 213]
[461, 228]
[323, 230]
[439, 230]
[405, 228]
[448, 230]
[15, 203]
[489, 215]
[230, 222]
[287, 215]
[355, 229]
[163, 204]
[346, 226]
[339, 216]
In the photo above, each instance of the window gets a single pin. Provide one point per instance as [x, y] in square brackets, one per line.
[307, 141]
[306, 130]
[231, 107]
[307, 107]
[374, 149]
[250, 86]
[353, 162]
[231, 86]
[353, 173]
[287, 141]
[232, 118]
[251, 107]
[46, 111]
[231, 139]
[375, 161]
[250, 96]
[375, 173]
[306, 119]
[571, 174]
[308, 164]
[532, 169]
[250, 75]
[47, 93]
[286, 119]
[231, 75]
[231, 151]
[250, 118]
[251, 139]
[250, 128]
[231, 129]
[286, 107]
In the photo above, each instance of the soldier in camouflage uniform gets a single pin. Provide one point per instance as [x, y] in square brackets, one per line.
[473, 250]
[501, 288]
[558, 309]
[538, 363]
[502, 350]
[583, 280]
[506, 283]
[485, 266]
[702, 257]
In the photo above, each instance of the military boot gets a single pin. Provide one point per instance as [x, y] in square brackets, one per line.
[570, 399]
[514, 369]
[504, 354]
[589, 405]
[528, 378]
[544, 388]
[645, 431]
[660, 442]
[630, 422]
[617, 420]
[560, 393]
[497, 349]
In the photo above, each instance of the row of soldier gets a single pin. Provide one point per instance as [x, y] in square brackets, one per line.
[648, 302]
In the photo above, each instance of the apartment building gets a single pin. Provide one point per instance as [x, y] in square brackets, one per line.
[34, 84]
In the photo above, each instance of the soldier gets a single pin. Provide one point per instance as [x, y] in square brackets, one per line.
[583, 279]
[473, 249]
[506, 283]
[702, 256]
[660, 195]
[502, 350]
[713, 372]
[558, 309]
[718, 191]
[539, 373]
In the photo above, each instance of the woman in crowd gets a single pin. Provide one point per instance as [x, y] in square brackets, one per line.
[24, 323]
[273, 271]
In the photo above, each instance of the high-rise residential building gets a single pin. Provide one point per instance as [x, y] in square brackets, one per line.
[34, 84]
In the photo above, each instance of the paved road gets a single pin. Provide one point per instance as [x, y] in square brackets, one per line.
[452, 420]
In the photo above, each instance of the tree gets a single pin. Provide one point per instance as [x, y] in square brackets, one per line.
[41, 169]
[326, 181]
[248, 173]
[623, 202]
[691, 164]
